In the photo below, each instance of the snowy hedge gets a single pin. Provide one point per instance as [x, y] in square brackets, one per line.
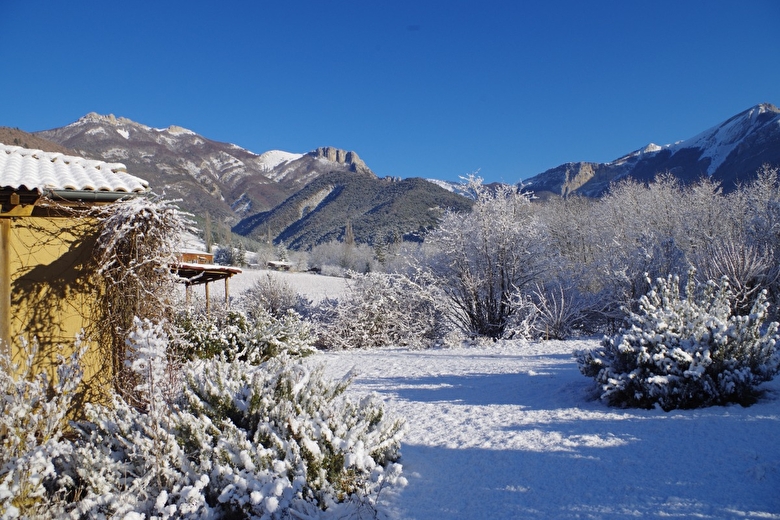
[685, 351]
[33, 411]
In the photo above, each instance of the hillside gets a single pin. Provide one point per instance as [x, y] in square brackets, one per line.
[379, 210]
[222, 179]
[16, 137]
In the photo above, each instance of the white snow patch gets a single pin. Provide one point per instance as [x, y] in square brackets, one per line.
[124, 133]
[176, 130]
[315, 287]
[509, 431]
[95, 131]
[273, 158]
[651, 148]
[718, 142]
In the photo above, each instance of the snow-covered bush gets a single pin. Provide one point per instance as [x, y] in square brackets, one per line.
[748, 269]
[247, 442]
[33, 419]
[234, 335]
[379, 310]
[128, 460]
[280, 437]
[560, 311]
[274, 440]
[273, 295]
[685, 350]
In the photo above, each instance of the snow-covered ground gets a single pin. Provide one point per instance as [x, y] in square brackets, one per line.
[315, 287]
[509, 431]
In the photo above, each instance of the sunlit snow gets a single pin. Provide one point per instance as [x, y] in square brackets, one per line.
[508, 430]
[511, 430]
[274, 158]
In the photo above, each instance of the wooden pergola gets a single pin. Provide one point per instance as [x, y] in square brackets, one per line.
[203, 274]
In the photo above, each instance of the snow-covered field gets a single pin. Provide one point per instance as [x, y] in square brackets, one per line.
[315, 287]
[510, 430]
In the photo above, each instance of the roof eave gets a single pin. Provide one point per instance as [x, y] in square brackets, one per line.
[92, 195]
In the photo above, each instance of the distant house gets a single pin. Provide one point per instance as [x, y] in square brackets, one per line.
[280, 265]
[46, 291]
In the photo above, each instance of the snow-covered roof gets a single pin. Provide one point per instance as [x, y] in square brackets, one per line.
[36, 169]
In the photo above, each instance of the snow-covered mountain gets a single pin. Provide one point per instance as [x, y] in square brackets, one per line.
[224, 179]
[299, 198]
[729, 153]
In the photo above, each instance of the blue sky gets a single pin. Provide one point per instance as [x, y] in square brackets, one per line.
[417, 89]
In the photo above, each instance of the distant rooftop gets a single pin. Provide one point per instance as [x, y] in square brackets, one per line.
[44, 171]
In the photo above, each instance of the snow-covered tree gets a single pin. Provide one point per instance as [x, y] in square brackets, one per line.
[480, 259]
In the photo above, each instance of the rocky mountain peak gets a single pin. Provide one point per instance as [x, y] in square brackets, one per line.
[111, 119]
[343, 157]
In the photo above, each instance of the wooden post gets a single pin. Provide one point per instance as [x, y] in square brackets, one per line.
[5, 286]
[227, 292]
[208, 299]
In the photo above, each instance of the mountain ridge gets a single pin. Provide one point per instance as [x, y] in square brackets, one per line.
[304, 198]
[729, 153]
[223, 179]
[298, 199]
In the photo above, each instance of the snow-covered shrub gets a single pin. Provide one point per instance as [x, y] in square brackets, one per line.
[685, 351]
[273, 295]
[234, 335]
[280, 437]
[379, 310]
[33, 418]
[560, 311]
[126, 461]
[522, 323]
[748, 269]
[246, 442]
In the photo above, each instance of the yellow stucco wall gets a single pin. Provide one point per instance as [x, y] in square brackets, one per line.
[52, 294]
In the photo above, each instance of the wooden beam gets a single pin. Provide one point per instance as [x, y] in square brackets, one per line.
[5, 286]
